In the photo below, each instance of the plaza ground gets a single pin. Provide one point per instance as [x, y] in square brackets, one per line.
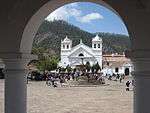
[110, 98]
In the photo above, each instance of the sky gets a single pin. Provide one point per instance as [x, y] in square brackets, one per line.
[90, 17]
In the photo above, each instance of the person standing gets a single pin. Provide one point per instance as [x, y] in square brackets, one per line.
[127, 85]
[61, 80]
[121, 77]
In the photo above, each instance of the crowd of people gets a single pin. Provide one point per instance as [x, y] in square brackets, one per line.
[52, 78]
[55, 78]
[120, 78]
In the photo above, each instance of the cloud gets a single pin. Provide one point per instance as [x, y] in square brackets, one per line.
[64, 13]
[59, 14]
[75, 12]
[72, 11]
[90, 17]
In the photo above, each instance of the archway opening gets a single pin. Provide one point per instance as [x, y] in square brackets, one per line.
[68, 47]
[116, 69]
[127, 71]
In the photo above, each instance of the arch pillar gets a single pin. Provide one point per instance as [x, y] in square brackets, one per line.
[142, 93]
[15, 82]
[141, 61]
[12, 27]
[138, 25]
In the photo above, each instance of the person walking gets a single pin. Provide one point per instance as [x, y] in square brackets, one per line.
[121, 77]
[127, 85]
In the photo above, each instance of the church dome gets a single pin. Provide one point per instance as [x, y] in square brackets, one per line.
[97, 38]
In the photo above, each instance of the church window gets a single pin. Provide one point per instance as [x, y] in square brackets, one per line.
[94, 45]
[81, 54]
[67, 46]
[99, 46]
[63, 46]
[116, 69]
[127, 71]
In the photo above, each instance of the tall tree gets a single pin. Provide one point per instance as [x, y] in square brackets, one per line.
[97, 67]
[88, 66]
[47, 63]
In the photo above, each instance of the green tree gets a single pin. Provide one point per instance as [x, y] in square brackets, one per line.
[88, 66]
[39, 51]
[47, 63]
[93, 68]
[97, 67]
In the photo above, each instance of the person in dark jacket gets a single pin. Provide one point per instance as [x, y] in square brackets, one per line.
[127, 85]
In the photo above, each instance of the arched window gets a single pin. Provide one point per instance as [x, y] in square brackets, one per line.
[94, 45]
[63, 46]
[67, 46]
[81, 55]
[99, 46]
[116, 69]
[127, 71]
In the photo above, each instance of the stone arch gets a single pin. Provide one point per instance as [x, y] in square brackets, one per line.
[21, 20]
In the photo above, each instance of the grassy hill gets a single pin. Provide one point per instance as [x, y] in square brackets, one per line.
[50, 34]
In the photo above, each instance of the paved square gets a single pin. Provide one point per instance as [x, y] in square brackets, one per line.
[102, 99]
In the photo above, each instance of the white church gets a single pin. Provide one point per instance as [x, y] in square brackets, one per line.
[81, 53]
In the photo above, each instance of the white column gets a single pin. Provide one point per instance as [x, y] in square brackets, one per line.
[15, 86]
[142, 81]
[15, 82]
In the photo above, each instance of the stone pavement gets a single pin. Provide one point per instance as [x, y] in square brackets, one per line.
[111, 98]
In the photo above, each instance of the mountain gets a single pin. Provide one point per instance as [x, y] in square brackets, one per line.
[50, 34]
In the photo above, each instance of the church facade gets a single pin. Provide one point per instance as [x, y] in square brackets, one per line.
[81, 53]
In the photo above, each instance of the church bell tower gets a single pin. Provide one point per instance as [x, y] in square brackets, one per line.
[97, 43]
[66, 46]
[97, 49]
